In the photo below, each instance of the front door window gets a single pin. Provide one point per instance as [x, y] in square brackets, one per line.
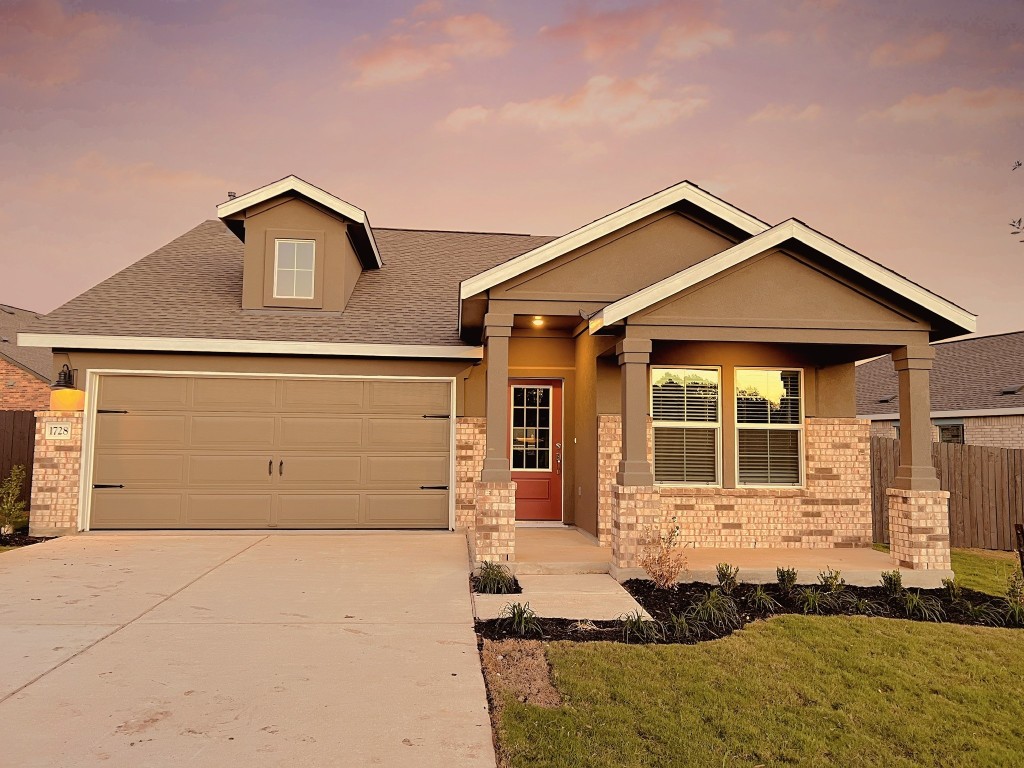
[531, 428]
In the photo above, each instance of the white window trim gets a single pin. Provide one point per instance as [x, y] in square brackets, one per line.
[277, 258]
[716, 425]
[511, 427]
[799, 427]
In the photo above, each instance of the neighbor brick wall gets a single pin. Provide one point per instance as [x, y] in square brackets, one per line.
[995, 431]
[55, 477]
[919, 528]
[833, 510]
[20, 390]
[888, 429]
[470, 447]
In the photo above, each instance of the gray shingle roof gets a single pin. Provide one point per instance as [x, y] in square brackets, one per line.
[33, 359]
[192, 288]
[967, 375]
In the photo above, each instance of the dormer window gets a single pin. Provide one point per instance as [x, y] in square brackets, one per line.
[294, 269]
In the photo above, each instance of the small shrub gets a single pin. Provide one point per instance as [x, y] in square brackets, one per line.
[1015, 586]
[583, 625]
[728, 577]
[12, 506]
[686, 626]
[761, 601]
[494, 579]
[832, 581]
[985, 614]
[892, 582]
[816, 600]
[520, 620]
[862, 606]
[665, 562]
[787, 579]
[718, 611]
[921, 607]
[637, 628]
[954, 590]
[1013, 614]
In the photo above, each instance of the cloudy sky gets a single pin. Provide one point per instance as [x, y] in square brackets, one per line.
[891, 125]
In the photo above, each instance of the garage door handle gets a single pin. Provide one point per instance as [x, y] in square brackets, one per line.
[433, 487]
[270, 467]
[280, 468]
[106, 485]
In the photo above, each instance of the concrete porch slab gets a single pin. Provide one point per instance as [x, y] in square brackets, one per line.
[583, 596]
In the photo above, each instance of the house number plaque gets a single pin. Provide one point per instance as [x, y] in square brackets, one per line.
[58, 430]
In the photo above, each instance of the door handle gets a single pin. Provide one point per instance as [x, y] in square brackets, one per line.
[280, 468]
[558, 458]
[270, 467]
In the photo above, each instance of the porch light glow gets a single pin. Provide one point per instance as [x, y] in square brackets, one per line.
[537, 321]
[63, 395]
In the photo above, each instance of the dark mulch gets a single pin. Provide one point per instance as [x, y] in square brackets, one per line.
[20, 539]
[662, 603]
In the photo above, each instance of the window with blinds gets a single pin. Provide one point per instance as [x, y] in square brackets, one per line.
[769, 427]
[685, 409]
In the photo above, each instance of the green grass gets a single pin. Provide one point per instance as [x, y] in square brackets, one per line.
[814, 691]
[4, 549]
[983, 570]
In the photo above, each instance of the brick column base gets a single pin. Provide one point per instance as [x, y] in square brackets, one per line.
[636, 522]
[494, 537]
[55, 475]
[919, 528]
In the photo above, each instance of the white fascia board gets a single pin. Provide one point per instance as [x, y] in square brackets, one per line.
[304, 188]
[684, 191]
[247, 346]
[780, 233]
[949, 414]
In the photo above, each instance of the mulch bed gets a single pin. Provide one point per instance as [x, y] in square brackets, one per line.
[661, 604]
[20, 539]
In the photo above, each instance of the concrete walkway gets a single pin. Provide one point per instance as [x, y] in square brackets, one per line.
[241, 650]
[594, 596]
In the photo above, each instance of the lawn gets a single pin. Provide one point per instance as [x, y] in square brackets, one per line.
[983, 570]
[816, 691]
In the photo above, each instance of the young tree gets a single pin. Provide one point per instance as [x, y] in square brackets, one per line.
[12, 506]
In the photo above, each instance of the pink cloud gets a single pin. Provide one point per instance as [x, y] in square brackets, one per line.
[958, 105]
[431, 47]
[778, 113]
[919, 51]
[625, 105]
[42, 43]
[674, 30]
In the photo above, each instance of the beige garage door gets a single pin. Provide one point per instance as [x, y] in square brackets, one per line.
[245, 452]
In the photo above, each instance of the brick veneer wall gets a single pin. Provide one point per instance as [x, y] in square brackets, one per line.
[470, 448]
[919, 528]
[20, 390]
[494, 537]
[833, 510]
[55, 476]
[637, 521]
[995, 431]
[888, 429]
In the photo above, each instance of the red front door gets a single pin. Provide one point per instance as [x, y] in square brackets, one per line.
[536, 450]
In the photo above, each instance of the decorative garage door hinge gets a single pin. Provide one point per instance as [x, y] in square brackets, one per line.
[106, 485]
[433, 487]
[108, 410]
[436, 416]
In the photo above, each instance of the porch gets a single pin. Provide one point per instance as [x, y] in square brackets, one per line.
[567, 550]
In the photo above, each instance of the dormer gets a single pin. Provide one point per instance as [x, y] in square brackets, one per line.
[304, 247]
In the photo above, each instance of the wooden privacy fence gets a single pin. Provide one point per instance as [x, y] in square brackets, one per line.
[17, 445]
[986, 491]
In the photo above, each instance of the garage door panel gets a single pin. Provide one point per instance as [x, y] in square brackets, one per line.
[318, 510]
[324, 432]
[410, 397]
[243, 431]
[319, 470]
[147, 393]
[228, 510]
[234, 394]
[141, 430]
[404, 433]
[133, 468]
[423, 509]
[407, 470]
[230, 470]
[121, 508]
[323, 395]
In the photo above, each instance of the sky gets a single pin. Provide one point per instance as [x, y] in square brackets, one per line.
[891, 126]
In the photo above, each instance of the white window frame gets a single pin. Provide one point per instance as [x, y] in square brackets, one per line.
[551, 427]
[798, 427]
[312, 270]
[716, 425]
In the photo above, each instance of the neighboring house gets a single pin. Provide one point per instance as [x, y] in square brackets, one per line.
[289, 366]
[25, 372]
[977, 392]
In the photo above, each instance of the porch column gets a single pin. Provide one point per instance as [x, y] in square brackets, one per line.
[918, 509]
[493, 537]
[636, 502]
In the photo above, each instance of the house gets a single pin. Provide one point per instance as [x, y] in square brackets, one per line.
[25, 372]
[675, 362]
[977, 392]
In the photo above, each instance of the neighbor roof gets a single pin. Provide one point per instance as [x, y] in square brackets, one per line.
[37, 361]
[967, 375]
[192, 287]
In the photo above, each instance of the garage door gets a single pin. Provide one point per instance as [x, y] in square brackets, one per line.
[248, 452]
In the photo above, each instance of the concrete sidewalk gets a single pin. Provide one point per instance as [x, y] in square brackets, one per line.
[594, 596]
[247, 650]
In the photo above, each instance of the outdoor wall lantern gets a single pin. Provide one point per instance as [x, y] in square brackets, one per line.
[63, 395]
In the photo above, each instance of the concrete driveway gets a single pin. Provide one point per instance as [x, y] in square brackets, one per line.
[249, 650]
